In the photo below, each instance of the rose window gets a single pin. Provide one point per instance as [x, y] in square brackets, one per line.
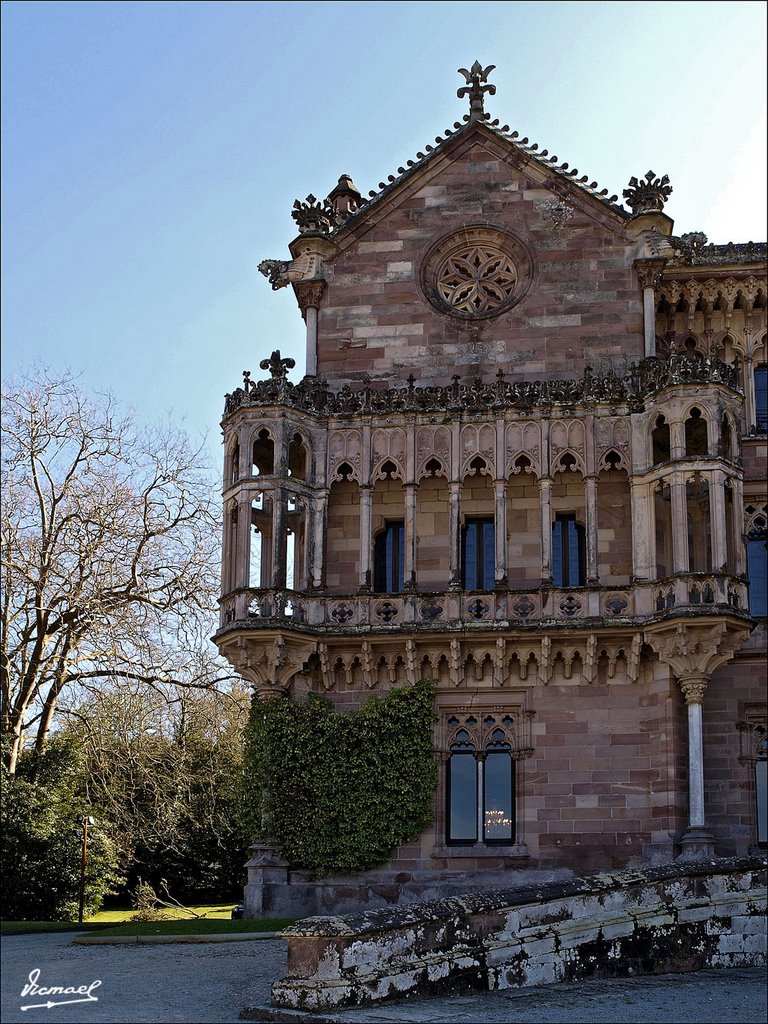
[477, 273]
[476, 279]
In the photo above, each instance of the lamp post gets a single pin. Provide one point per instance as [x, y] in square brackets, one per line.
[85, 821]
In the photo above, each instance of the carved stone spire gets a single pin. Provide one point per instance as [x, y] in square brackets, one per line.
[475, 90]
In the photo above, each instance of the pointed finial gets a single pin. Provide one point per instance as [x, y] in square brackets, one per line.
[475, 90]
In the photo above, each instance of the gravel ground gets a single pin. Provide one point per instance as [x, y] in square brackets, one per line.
[212, 983]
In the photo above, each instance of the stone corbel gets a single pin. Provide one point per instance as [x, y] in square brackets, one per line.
[281, 273]
[694, 650]
[270, 666]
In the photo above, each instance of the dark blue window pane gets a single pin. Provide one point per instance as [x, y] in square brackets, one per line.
[557, 554]
[574, 573]
[757, 571]
[389, 559]
[478, 554]
[462, 788]
[470, 556]
[761, 397]
[489, 557]
[568, 552]
[498, 816]
[761, 792]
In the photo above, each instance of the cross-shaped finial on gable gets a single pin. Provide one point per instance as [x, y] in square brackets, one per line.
[475, 90]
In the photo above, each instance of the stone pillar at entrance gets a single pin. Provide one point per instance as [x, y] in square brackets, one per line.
[693, 651]
[697, 842]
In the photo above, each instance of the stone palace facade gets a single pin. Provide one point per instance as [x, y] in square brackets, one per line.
[527, 461]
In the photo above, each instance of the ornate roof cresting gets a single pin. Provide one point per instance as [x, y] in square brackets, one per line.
[315, 396]
[648, 195]
[475, 90]
[312, 215]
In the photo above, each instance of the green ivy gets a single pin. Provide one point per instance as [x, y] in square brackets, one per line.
[340, 791]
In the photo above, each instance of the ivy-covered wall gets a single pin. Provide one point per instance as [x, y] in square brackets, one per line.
[340, 791]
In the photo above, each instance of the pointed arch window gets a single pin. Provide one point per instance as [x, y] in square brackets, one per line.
[480, 780]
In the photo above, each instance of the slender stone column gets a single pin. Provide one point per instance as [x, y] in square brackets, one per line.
[311, 341]
[545, 490]
[718, 532]
[366, 499]
[480, 758]
[319, 506]
[680, 555]
[409, 560]
[697, 842]
[310, 293]
[454, 534]
[649, 272]
[643, 532]
[740, 554]
[591, 528]
[279, 537]
[500, 533]
[242, 554]
[749, 393]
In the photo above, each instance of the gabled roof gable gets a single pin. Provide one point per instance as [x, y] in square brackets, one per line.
[559, 177]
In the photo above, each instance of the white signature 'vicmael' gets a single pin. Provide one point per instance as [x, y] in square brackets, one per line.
[83, 992]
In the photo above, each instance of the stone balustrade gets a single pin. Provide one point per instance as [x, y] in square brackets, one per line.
[680, 917]
[681, 594]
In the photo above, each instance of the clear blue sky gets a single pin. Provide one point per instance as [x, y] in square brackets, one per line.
[152, 152]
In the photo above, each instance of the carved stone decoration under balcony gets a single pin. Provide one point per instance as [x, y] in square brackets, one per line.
[694, 650]
[269, 665]
[647, 195]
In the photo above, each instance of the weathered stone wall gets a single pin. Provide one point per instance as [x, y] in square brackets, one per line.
[665, 919]
[584, 304]
[735, 691]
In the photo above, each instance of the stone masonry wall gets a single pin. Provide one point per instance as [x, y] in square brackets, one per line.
[671, 918]
[584, 304]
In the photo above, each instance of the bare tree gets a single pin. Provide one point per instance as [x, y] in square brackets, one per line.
[109, 555]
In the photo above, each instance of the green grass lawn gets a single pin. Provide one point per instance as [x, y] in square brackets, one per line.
[207, 927]
[214, 919]
[217, 911]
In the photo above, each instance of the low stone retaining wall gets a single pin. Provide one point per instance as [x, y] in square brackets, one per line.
[661, 919]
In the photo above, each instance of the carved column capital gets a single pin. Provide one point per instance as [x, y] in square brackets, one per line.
[694, 688]
[649, 272]
[309, 294]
